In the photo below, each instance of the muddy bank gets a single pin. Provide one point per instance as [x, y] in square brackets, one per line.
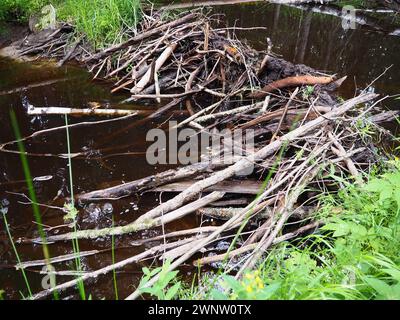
[10, 33]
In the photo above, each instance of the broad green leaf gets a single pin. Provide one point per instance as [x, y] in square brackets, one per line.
[381, 287]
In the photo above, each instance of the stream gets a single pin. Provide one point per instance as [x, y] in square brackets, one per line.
[367, 54]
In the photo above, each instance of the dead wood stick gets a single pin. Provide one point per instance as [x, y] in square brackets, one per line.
[175, 234]
[250, 247]
[179, 251]
[290, 82]
[80, 112]
[231, 202]
[243, 109]
[62, 258]
[142, 225]
[384, 116]
[34, 85]
[196, 115]
[227, 213]
[235, 186]
[277, 113]
[340, 152]
[165, 95]
[292, 96]
[257, 156]
[140, 37]
[149, 182]
[69, 53]
[158, 64]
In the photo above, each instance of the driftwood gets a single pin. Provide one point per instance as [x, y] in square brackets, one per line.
[34, 111]
[140, 225]
[158, 64]
[227, 213]
[153, 181]
[240, 187]
[149, 219]
[290, 82]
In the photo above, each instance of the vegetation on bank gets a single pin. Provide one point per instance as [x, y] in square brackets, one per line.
[100, 20]
[353, 256]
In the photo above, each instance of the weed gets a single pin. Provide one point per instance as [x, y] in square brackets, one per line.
[160, 288]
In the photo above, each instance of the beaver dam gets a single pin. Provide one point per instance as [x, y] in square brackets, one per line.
[190, 77]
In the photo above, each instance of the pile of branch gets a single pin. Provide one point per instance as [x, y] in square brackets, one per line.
[192, 56]
[303, 139]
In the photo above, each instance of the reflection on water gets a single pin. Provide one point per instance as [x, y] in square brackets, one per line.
[318, 40]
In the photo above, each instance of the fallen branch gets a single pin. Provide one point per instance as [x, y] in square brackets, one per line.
[290, 82]
[34, 111]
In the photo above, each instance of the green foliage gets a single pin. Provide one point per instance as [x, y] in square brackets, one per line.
[252, 287]
[21, 9]
[71, 214]
[1, 294]
[101, 20]
[162, 288]
[308, 91]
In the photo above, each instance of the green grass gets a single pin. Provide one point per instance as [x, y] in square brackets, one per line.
[100, 20]
[73, 214]
[20, 10]
[28, 287]
[32, 195]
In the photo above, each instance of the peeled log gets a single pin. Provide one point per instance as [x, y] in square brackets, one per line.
[158, 64]
[290, 82]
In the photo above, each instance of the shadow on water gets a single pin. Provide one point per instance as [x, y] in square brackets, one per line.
[299, 35]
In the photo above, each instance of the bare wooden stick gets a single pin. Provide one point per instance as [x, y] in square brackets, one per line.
[340, 152]
[34, 111]
[250, 247]
[290, 82]
[140, 225]
[158, 64]
[62, 258]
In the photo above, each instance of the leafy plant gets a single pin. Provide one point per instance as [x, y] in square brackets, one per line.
[71, 214]
[252, 287]
[308, 91]
[162, 288]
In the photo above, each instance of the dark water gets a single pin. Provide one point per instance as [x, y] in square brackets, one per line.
[301, 36]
